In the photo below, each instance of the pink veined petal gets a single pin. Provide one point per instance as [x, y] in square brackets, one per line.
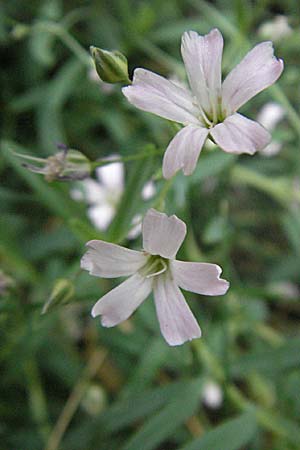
[202, 56]
[162, 235]
[201, 278]
[257, 71]
[107, 260]
[183, 151]
[176, 320]
[238, 134]
[153, 93]
[118, 304]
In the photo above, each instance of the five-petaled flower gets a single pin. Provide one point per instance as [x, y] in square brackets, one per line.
[209, 108]
[155, 268]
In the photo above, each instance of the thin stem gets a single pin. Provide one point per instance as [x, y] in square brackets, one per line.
[95, 362]
[67, 39]
[159, 203]
[37, 399]
[124, 159]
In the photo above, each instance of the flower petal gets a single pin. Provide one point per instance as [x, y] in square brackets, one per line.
[162, 235]
[176, 320]
[118, 304]
[238, 134]
[258, 70]
[112, 175]
[107, 260]
[201, 278]
[153, 93]
[101, 215]
[183, 151]
[202, 56]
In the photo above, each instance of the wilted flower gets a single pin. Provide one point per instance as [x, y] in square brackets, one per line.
[104, 194]
[269, 116]
[155, 268]
[65, 165]
[209, 109]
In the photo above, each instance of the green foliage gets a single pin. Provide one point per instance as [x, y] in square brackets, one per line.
[241, 212]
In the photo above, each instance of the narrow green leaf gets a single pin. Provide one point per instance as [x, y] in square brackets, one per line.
[232, 435]
[175, 412]
[271, 361]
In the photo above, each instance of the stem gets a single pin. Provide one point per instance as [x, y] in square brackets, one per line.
[94, 363]
[280, 189]
[124, 159]
[159, 203]
[67, 39]
[37, 400]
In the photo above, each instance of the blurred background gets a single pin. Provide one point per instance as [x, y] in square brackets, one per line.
[66, 382]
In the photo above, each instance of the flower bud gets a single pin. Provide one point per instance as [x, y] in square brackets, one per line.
[62, 292]
[112, 67]
[65, 165]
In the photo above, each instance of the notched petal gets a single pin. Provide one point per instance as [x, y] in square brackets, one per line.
[152, 93]
[201, 278]
[162, 235]
[238, 134]
[176, 320]
[118, 304]
[107, 260]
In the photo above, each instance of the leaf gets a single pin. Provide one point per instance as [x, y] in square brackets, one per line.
[176, 411]
[269, 361]
[232, 435]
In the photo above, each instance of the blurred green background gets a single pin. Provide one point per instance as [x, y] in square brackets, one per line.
[66, 382]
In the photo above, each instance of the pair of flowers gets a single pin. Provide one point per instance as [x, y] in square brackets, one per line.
[207, 110]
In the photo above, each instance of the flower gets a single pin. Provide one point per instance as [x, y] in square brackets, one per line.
[209, 109]
[104, 194]
[269, 116]
[276, 29]
[212, 394]
[155, 268]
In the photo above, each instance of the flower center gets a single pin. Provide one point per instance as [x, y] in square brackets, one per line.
[155, 265]
[214, 115]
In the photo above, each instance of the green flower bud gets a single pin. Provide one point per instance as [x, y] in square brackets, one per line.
[62, 292]
[112, 67]
[65, 165]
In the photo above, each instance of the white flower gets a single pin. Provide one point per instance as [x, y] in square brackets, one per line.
[104, 194]
[212, 395]
[276, 29]
[209, 108]
[269, 116]
[155, 269]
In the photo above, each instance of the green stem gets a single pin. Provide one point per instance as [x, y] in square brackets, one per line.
[281, 189]
[74, 400]
[124, 159]
[56, 29]
[37, 400]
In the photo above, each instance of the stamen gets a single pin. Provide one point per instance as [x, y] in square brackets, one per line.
[160, 271]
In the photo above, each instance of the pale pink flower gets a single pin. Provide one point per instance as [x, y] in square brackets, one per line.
[155, 268]
[209, 108]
